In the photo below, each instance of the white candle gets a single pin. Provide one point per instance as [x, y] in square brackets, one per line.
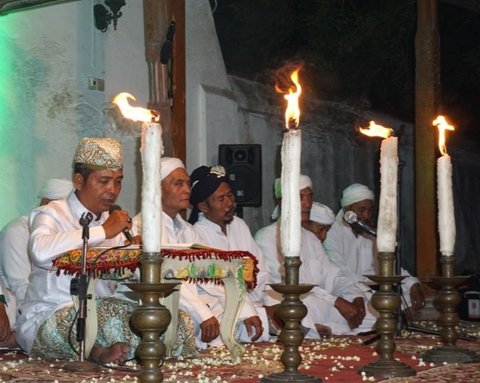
[387, 216]
[151, 150]
[446, 216]
[290, 219]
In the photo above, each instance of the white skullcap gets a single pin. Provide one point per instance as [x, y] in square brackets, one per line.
[55, 188]
[305, 182]
[169, 164]
[322, 214]
[356, 193]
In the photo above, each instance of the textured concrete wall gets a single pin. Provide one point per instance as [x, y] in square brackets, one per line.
[53, 51]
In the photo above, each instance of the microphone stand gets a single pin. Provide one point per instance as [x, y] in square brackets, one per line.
[83, 285]
[79, 286]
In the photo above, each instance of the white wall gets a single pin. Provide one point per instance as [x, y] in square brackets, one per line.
[55, 50]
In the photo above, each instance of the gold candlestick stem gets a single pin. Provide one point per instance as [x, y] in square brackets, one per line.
[387, 302]
[151, 318]
[291, 311]
[446, 302]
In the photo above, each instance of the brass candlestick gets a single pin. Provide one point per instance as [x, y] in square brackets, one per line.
[291, 311]
[151, 318]
[446, 302]
[387, 302]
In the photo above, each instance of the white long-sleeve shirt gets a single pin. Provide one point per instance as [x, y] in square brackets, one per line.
[55, 229]
[15, 264]
[316, 268]
[356, 255]
[177, 230]
[238, 237]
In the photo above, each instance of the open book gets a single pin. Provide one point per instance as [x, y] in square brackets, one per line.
[196, 246]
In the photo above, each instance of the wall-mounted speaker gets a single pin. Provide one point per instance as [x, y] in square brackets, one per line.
[243, 163]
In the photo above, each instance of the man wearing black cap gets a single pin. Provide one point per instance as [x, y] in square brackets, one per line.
[214, 219]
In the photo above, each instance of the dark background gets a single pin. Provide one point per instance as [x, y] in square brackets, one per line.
[359, 51]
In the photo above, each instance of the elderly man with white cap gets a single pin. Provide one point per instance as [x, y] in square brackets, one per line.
[335, 304]
[321, 219]
[48, 313]
[15, 264]
[175, 198]
[354, 250]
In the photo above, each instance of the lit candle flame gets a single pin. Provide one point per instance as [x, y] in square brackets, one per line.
[375, 130]
[292, 113]
[442, 125]
[132, 112]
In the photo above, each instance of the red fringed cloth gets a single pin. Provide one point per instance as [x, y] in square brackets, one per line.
[198, 265]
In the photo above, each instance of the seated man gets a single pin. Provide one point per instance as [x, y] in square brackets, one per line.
[320, 222]
[175, 198]
[48, 314]
[335, 305]
[355, 252]
[15, 264]
[213, 216]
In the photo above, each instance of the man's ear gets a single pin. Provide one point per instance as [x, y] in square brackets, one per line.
[203, 207]
[78, 181]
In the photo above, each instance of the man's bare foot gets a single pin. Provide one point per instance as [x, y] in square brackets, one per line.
[116, 353]
[323, 330]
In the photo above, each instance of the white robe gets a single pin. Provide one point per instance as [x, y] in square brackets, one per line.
[318, 270]
[15, 264]
[356, 256]
[55, 229]
[238, 237]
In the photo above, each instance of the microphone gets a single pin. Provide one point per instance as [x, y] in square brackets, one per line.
[85, 219]
[125, 231]
[351, 218]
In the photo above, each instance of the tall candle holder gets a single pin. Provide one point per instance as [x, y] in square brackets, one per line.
[387, 302]
[291, 311]
[150, 317]
[446, 302]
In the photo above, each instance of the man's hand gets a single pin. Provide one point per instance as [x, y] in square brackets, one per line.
[210, 329]
[360, 304]
[137, 240]
[273, 318]
[351, 312]
[116, 222]
[251, 324]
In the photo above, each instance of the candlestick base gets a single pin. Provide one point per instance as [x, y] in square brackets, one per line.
[291, 311]
[386, 301]
[151, 318]
[446, 302]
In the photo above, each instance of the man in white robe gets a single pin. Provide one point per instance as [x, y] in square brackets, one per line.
[335, 304]
[48, 311]
[321, 220]
[354, 251]
[213, 216]
[175, 198]
[15, 264]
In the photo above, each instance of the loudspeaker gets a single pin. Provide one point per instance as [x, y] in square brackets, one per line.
[243, 164]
